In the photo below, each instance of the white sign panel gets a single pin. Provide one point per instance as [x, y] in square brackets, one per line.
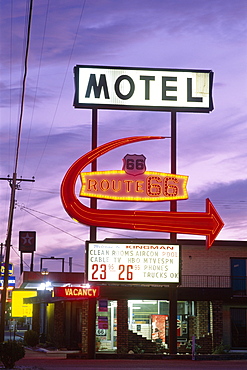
[143, 89]
[132, 263]
[11, 282]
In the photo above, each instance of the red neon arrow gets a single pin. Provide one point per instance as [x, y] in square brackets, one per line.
[198, 223]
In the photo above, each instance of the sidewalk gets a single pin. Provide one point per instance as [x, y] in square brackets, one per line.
[37, 360]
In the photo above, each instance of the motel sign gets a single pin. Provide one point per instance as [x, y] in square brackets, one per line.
[143, 89]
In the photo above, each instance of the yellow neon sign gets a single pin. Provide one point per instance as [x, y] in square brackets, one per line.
[10, 269]
[147, 187]
[20, 309]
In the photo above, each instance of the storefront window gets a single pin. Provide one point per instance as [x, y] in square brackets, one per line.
[149, 318]
[139, 316]
[106, 325]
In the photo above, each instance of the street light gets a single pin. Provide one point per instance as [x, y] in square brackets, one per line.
[45, 285]
[44, 271]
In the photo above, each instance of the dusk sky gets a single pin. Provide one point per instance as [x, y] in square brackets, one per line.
[175, 34]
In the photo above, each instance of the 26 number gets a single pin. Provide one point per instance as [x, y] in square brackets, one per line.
[125, 272]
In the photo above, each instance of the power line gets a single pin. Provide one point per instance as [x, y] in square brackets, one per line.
[61, 219]
[45, 256]
[62, 87]
[23, 87]
[58, 228]
[22, 207]
[37, 82]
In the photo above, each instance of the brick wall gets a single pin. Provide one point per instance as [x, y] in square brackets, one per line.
[205, 344]
[59, 327]
[226, 326]
[207, 336]
[122, 325]
[202, 318]
[217, 307]
[215, 261]
[192, 322]
[84, 324]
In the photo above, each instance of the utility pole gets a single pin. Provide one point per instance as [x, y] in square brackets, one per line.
[1, 254]
[14, 184]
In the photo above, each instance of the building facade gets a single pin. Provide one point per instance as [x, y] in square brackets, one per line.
[211, 305]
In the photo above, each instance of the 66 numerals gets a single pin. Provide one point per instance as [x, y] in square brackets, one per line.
[99, 272]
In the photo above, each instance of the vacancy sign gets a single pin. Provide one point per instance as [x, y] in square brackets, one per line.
[132, 263]
[143, 89]
[76, 292]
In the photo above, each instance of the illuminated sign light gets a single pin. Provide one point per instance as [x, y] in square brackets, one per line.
[10, 270]
[132, 263]
[19, 309]
[143, 89]
[207, 223]
[76, 292]
[103, 322]
[149, 186]
[11, 282]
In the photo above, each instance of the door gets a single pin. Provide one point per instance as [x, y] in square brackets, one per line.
[238, 327]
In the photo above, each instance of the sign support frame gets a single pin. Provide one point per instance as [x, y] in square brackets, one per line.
[93, 238]
[93, 201]
[170, 108]
[173, 238]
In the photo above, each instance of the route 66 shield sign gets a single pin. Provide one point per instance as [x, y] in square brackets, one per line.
[134, 164]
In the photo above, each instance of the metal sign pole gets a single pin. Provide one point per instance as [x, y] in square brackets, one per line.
[93, 238]
[173, 203]
[173, 237]
[93, 201]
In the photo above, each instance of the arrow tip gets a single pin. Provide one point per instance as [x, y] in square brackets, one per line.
[216, 222]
